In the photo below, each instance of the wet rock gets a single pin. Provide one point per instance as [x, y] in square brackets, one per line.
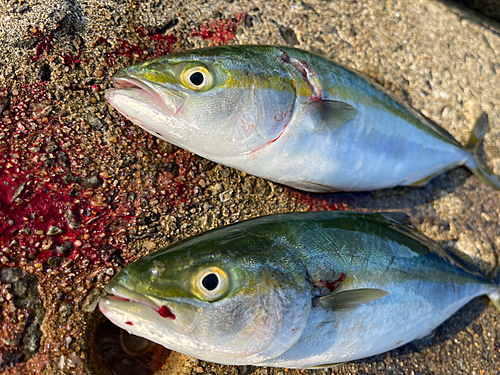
[91, 182]
[172, 168]
[54, 261]
[65, 311]
[31, 339]
[90, 302]
[248, 21]
[117, 352]
[28, 43]
[54, 231]
[10, 275]
[96, 123]
[23, 8]
[71, 219]
[289, 35]
[23, 312]
[65, 248]
[18, 191]
[63, 159]
[4, 102]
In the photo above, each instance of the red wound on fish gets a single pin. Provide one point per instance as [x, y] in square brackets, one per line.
[165, 312]
[331, 285]
[129, 323]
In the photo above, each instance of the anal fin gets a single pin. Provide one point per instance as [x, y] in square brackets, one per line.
[326, 365]
[317, 187]
[427, 336]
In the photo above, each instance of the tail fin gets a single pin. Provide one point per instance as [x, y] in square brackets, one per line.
[495, 296]
[477, 165]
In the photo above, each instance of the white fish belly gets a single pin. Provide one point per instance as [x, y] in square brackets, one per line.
[388, 152]
[374, 328]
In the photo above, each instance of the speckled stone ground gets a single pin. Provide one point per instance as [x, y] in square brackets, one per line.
[83, 192]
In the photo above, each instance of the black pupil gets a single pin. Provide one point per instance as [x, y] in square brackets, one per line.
[210, 281]
[196, 78]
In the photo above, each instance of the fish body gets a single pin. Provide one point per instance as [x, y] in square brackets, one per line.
[288, 116]
[295, 290]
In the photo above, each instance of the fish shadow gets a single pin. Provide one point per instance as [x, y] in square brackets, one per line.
[401, 198]
[463, 318]
[479, 14]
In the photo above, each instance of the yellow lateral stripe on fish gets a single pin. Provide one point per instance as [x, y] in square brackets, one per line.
[291, 117]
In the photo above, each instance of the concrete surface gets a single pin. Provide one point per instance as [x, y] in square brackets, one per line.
[83, 192]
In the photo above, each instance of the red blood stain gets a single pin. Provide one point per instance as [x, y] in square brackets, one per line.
[90, 88]
[307, 73]
[165, 312]
[71, 60]
[129, 323]
[272, 140]
[318, 202]
[219, 31]
[127, 49]
[278, 117]
[164, 43]
[45, 209]
[141, 52]
[331, 285]
[44, 44]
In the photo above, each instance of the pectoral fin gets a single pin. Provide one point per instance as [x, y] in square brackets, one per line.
[334, 114]
[348, 299]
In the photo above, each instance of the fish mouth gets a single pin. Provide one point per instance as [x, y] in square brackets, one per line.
[127, 308]
[154, 107]
[166, 99]
[122, 294]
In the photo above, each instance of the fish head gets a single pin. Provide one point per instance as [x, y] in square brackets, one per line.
[218, 299]
[220, 101]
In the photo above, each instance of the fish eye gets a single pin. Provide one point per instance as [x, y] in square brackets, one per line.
[211, 283]
[197, 78]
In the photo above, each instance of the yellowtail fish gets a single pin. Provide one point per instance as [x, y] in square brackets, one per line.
[299, 290]
[291, 117]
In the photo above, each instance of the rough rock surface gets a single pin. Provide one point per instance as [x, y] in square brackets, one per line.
[83, 192]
